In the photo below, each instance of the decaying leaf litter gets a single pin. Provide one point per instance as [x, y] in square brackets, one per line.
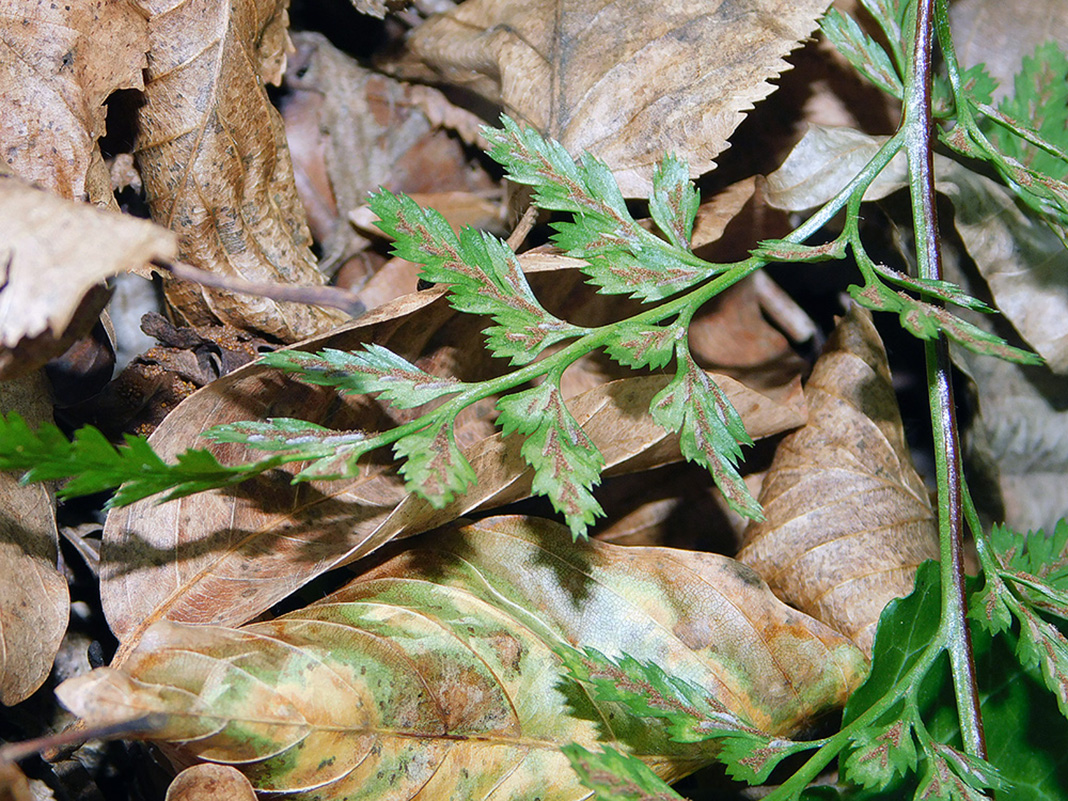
[217, 173]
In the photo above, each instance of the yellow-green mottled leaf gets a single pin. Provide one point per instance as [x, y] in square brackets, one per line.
[437, 673]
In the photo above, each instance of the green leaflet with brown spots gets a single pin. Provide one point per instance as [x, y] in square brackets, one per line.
[437, 673]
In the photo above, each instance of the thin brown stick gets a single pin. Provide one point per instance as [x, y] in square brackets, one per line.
[519, 233]
[331, 296]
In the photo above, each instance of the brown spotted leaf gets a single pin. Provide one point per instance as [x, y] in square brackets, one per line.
[627, 81]
[847, 518]
[208, 781]
[225, 557]
[34, 602]
[60, 62]
[438, 673]
[213, 158]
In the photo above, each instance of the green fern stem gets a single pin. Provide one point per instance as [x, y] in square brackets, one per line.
[919, 146]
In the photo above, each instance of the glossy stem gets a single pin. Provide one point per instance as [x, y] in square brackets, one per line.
[919, 146]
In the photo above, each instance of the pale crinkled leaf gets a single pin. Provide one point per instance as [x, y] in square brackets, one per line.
[847, 517]
[55, 253]
[626, 81]
[212, 153]
[438, 671]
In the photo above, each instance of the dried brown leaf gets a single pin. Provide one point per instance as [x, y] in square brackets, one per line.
[627, 81]
[210, 782]
[353, 131]
[440, 673]
[215, 165]
[53, 256]
[34, 602]
[61, 62]
[847, 518]
[14, 786]
[224, 558]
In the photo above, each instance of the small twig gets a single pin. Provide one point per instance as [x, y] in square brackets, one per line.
[331, 296]
[783, 310]
[80, 733]
[918, 144]
[526, 222]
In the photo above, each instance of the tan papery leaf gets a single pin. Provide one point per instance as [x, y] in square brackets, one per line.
[440, 673]
[847, 519]
[224, 557]
[627, 81]
[53, 255]
[61, 62]
[215, 166]
[34, 602]
[210, 782]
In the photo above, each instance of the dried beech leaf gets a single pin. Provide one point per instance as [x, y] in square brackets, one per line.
[223, 558]
[847, 518]
[61, 62]
[627, 81]
[353, 131]
[435, 674]
[53, 255]
[208, 781]
[34, 602]
[14, 786]
[214, 162]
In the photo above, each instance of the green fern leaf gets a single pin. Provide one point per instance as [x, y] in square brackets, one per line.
[482, 271]
[567, 465]
[373, 370]
[621, 256]
[710, 429]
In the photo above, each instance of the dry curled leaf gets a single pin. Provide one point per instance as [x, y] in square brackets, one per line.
[353, 131]
[438, 674]
[627, 81]
[847, 520]
[225, 557]
[210, 782]
[34, 602]
[61, 62]
[53, 255]
[215, 166]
